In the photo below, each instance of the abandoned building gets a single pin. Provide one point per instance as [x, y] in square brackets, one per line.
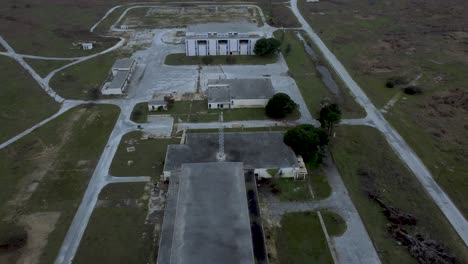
[264, 152]
[121, 73]
[239, 93]
[157, 105]
[213, 39]
[216, 227]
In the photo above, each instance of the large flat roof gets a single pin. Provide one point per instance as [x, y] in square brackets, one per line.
[239, 27]
[254, 149]
[218, 94]
[206, 218]
[245, 88]
[118, 80]
[125, 63]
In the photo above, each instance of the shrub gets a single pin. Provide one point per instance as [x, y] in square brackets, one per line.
[266, 46]
[412, 90]
[307, 141]
[389, 84]
[280, 105]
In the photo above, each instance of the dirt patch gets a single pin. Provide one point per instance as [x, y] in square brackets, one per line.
[38, 227]
[44, 162]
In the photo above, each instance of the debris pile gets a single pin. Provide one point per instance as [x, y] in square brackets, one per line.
[422, 249]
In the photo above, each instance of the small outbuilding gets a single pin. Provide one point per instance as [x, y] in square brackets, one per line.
[239, 93]
[157, 105]
[87, 45]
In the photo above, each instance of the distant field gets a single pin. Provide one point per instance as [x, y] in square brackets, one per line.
[368, 165]
[424, 48]
[79, 80]
[45, 174]
[23, 103]
[44, 67]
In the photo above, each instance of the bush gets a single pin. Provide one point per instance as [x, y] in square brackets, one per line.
[389, 84]
[266, 46]
[207, 60]
[12, 237]
[280, 105]
[307, 141]
[412, 90]
[288, 49]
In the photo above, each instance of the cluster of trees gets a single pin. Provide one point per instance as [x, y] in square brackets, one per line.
[266, 46]
[307, 141]
[280, 105]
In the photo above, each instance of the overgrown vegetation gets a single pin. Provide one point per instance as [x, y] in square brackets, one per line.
[367, 164]
[280, 106]
[23, 103]
[307, 141]
[266, 46]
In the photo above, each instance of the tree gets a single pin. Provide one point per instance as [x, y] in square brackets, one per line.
[307, 141]
[330, 114]
[280, 105]
[266, 46]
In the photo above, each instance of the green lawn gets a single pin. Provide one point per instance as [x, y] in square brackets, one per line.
[182, 59]
[60, 157]
[44, 67]
[78, 81]
[23, 103]
[292, 190]
[148, 157]
[335, 225]
[320, 186]
[367, 163]
[116, 235]
[300, 239]
[119, 191]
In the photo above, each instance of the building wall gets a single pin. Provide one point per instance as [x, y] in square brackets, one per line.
[111, 91]
[216, 105]
[248, 103]
[213, 48]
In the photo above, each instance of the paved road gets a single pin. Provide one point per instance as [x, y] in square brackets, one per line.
[398, 144]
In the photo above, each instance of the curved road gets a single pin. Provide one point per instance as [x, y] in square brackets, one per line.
[398, 144]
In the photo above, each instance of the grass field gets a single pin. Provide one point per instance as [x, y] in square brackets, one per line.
[42, 29]
[335, 225]
[140, 113]
[118, 234]
[78, 81]
[300, 240]
[367, 164]
[46, 172]
[182, 59]
[44, 67]
[376, 42]
[302, 69]
[23, 103]
[148, 157]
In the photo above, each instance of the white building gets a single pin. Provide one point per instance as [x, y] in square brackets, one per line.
[213, 39]
[239, 93]
[121, 74]
[87, 45]
[157, 105]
